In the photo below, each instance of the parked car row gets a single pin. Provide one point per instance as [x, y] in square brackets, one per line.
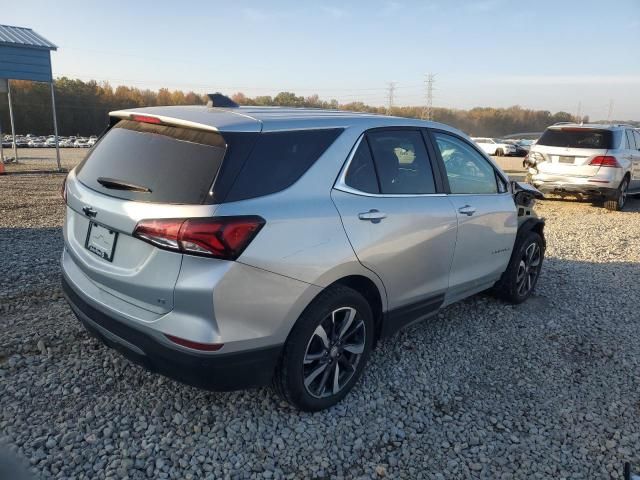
[33, 141]
[503, 148]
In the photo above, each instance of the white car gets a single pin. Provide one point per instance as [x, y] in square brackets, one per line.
[493, 147]
[589, 160]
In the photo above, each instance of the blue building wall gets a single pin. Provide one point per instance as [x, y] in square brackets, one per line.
[24, 63]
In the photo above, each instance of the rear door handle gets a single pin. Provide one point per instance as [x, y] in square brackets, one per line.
[373, 215]
[467, 210]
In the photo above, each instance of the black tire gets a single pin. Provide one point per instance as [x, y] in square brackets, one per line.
[499, 152]
[290, 375]
[620, 200]
[509, 287]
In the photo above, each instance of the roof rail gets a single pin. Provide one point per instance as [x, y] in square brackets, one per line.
[219, 100]
[564, 123]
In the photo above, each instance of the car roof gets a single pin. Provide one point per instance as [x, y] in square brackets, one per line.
[598, 126]
[258, 118]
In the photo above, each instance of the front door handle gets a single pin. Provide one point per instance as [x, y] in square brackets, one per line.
[467, 210]
[373, 215]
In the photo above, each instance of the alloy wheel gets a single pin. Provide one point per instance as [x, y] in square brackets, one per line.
[622, 198]
[333, 352]
[528, 269]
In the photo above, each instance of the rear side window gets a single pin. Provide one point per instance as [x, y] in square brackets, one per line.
[154, 163]
[577, 138]
[278, 160]
[362, 174]
[402, 162]
[631, 143]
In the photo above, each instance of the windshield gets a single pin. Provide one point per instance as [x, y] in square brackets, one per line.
[169, 164]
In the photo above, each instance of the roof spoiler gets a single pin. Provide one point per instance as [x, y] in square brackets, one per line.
[219, 100]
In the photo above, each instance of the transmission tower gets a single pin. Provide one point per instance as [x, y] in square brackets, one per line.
[579, 113]
[391, 88]
[610, 110]
[427, 111]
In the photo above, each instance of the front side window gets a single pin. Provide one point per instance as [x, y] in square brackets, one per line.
[402, 162]
[467, 170]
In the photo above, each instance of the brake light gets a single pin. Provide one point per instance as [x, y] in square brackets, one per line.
[218, 237]
[145, 119]
[604, 161]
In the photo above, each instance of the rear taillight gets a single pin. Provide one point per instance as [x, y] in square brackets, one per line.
[219, 237]
[604, 161]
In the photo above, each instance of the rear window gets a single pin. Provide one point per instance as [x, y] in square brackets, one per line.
[577, 138]
[154, 163]
[278, 160]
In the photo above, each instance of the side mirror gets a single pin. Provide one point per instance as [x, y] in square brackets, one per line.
[628, 475]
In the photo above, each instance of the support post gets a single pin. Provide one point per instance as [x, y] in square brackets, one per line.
[13, 124]
[1, 139]
[55, 125]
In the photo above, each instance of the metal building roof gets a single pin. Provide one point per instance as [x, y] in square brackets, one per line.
[23, 37]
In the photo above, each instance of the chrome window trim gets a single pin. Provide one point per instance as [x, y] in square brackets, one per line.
[342, 186]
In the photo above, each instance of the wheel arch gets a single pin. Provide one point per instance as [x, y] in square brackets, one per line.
[533, 224]
[370, 291]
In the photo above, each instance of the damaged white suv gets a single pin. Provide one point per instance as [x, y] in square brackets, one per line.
[588, 160]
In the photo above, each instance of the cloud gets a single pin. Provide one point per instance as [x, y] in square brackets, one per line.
[483, 6]
[389, 7]
[258, 15]
[335, 12]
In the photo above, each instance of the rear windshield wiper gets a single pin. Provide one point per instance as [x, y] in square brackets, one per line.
[116, 184]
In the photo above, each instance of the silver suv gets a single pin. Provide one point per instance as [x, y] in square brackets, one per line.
[601, 161]
[236, 247]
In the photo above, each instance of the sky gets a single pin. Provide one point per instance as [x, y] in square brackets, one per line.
[569, 55]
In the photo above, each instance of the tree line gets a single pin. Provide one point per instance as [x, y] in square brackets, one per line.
[83, 107]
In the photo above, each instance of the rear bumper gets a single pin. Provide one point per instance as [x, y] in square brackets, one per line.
[588, 186]
[220, 372]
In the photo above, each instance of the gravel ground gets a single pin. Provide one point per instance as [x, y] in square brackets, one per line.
[547, 389]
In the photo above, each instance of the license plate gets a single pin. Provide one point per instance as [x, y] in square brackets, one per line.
[101, 241]
[562, 159]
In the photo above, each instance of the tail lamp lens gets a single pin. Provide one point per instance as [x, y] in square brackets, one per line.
[604, 161]
[219, 237]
